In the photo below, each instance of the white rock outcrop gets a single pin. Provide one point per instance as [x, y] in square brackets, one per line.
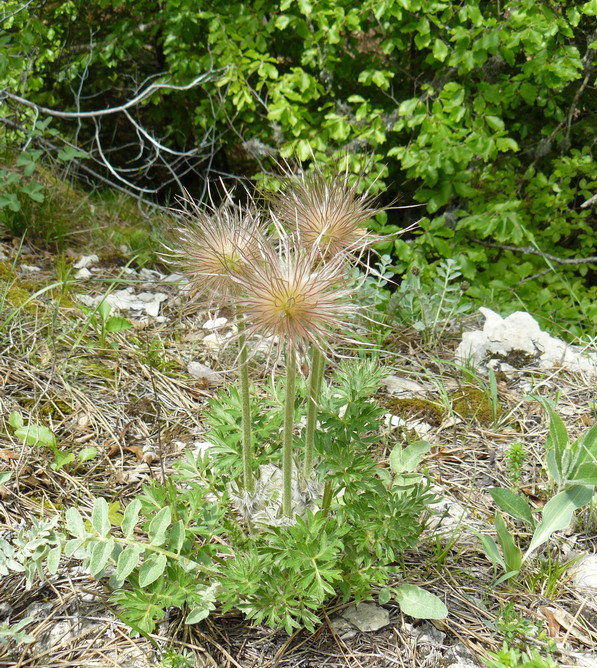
[505, 344]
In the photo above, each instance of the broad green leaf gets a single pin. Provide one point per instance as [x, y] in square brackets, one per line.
[34, 191]
[206, 605]
[385, 594]
[74, 523]
[69, 153]
[127, 561]
[420, 604]
[511, 552]
[407, 459]
[586, 474]
[5, 477]
[158, 526]
[104, 309]
[53, 559]
[491, 549]
[72, 546]
[100, 554]
[117, 324]
[99, 516]
[87, 453]
[558, 513]
[440, 50]
[15, 420]
[513, 504]
[152, 569]
[37, 434]
[495, 123]
[62, 459]
[131, 517]
[177, 536]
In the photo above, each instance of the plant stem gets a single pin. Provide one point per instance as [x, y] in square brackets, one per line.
[317, 368]
[247, 441]
[327, 499]
[288, 429]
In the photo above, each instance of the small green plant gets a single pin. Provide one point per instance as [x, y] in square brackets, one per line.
[104, 323]
[16, 633]
[429, 307]
[173, 659]
[574, 471]
[512, 657]
[515, 460]
[569, 463]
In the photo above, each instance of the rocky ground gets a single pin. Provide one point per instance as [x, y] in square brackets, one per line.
[138, 397]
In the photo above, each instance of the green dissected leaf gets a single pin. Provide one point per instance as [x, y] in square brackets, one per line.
[158, 526]
[127, 561]
[513, 504]
[131, 517]
[70, 153]
[100, 555]
[558, 512]
[420, 604]
[99, 516]
[34, 191]
[37, 434]
[152, 568]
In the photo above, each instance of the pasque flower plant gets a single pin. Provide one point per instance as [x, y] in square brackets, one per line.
[290, 288]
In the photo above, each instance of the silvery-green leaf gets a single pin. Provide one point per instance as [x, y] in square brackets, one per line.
[100, 554]
[152, 569]
[158, 526]
[99, 516]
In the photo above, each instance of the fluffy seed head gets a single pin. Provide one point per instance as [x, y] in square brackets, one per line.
[327, 213]
[215, 248]
[292, 298]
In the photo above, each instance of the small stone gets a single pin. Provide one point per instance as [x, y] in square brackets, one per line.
[367, 617]
[83, 274]
[215, 323]
[85, 261]
[404, 387]
[584, 574]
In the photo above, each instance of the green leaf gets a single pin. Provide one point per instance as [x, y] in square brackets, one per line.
[558, 513]
[177, 536]
[100, 554]
[53, 559]
[491, 549]
[586, 474]
[74, 523]
[117, 324]
[5, 476]
[15, 420]
[158, 526]
[513, 504]
[61, 459]
[34, 191]
[127, 561]
[131, 517]
[495, 123]
[37, 434]
[104, 309]
[420, 604]
[70, 153]
[99, 516]
[152, 569]
[440, 50]
[511, 551]
[407, 459]
[385, 594]
[87, 453]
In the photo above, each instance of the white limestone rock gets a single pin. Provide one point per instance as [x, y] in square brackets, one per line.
[503, 341]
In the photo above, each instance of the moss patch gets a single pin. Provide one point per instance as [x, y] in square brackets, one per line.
[419, 409]
[472, 403]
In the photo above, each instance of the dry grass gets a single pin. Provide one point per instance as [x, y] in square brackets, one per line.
[141, 410]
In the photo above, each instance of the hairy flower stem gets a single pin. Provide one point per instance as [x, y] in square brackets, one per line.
[327, 499]
[247, 441]
[288, 429]
[316, 376]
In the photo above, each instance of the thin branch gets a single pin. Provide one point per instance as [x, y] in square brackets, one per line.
[589, 202]
[202, 78]
[527, 250]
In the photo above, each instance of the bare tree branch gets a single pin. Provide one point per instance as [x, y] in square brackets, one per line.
[527, 250]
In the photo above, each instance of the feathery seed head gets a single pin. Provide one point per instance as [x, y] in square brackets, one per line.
[290, 297]
[215, 248]
[327, 213]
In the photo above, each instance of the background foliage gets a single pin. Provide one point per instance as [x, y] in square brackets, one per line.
[481, 112]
